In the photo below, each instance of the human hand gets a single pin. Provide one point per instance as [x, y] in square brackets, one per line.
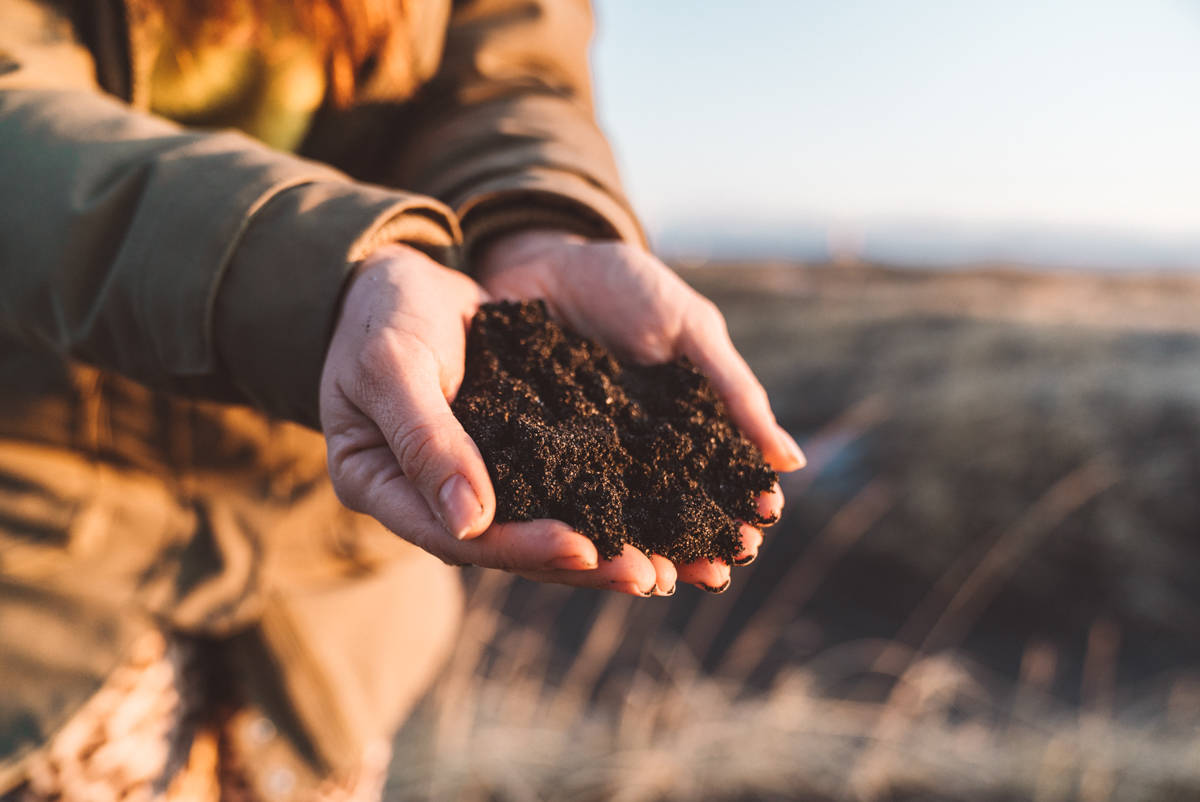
[395, 450]
[623, 297]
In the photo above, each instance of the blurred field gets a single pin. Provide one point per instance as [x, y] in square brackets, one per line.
[983, 587]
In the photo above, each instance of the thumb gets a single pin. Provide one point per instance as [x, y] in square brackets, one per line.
[430, 445]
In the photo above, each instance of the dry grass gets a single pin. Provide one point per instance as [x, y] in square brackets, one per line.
[657, 728]
[982, 588]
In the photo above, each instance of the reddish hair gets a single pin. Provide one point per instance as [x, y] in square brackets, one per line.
[347, 31]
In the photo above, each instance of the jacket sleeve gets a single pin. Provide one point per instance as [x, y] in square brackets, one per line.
[505, 132]
[201, 263]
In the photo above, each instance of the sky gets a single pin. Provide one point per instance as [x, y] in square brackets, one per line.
[1076, 115]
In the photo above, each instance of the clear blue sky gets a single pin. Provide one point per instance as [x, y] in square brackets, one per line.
[1050, 112]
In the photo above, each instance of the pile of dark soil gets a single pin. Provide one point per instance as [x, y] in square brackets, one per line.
[645, 455]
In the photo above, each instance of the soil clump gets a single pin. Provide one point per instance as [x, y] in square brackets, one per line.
[624, 453]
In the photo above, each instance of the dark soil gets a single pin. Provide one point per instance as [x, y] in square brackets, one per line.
[624, 453]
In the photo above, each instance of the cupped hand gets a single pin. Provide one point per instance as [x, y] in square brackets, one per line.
[625, 298]
[395, 450]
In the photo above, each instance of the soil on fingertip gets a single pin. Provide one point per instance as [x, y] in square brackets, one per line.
[624, 453]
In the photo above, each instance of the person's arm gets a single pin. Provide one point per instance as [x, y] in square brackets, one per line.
[212, 266]
[505, 133]
[202, 263]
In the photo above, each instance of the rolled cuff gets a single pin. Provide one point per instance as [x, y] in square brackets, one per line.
[544, 198]
[279, 298]
[523, 161]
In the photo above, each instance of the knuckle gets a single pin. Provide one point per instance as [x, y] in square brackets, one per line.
[348, 492]
[421, 446]
[415, 446]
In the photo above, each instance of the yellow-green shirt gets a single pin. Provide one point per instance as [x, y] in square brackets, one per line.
[266, 80]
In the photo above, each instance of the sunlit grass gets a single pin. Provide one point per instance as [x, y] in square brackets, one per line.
[657, 727]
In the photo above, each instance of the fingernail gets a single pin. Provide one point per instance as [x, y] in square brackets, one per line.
[460, 506]
[769, 506]
[668, 592]
[791, 447]
[571, 562]
[631, 588]
[724, 587]
[746, 560]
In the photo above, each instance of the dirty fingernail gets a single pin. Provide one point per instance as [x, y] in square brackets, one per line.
[572, 562]
[769, 506]
[749, 558]
[460, 506]
[631, 588]
[721, 589]
[668, 592]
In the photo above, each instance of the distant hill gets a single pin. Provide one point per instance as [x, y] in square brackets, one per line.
[930, 243]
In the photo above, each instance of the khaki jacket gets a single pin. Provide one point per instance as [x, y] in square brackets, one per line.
[166, 298]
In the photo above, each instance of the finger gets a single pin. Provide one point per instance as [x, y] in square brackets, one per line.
[706, 342]
[752, 540]
[710, 576]
[770, 505]
[541, 545]
[544, 545]
[665, 575]
[401, 392]
[629, 572]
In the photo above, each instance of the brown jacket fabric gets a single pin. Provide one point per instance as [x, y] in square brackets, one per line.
[160, 252]
[166, 297]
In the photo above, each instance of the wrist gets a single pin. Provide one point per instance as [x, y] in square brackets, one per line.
[524, 247]
[383, 255]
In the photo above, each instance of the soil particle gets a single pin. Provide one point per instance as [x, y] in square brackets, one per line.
[624, 453]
